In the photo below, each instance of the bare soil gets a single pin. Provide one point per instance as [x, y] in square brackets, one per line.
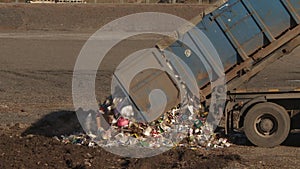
[39, 45]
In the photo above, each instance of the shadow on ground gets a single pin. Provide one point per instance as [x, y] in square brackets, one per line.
[294, 137]
[293, 140]
[55, 124]
[64, 122]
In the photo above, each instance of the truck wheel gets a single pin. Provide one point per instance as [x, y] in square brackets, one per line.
[267, 124]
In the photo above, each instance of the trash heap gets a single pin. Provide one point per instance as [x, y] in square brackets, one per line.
[176, 127]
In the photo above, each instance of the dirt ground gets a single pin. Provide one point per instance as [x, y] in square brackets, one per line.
[39, 45]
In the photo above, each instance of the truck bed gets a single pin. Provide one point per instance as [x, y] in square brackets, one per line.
[244, 33]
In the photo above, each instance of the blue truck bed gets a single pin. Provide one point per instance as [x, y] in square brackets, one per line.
[243, 32]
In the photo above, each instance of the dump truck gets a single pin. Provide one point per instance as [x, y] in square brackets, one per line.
[258, 46]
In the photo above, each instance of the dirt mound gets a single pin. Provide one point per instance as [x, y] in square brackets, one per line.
[43, 152]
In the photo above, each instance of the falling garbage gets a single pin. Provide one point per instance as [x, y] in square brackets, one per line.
[166, 131]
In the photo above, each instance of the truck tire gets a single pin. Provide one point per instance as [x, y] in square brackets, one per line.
[267, 124]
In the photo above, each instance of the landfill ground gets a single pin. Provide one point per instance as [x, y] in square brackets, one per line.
[39, 45]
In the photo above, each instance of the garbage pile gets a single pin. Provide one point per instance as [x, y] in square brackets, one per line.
[176, 127]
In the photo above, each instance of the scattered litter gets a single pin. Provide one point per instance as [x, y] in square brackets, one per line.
[78, 139]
